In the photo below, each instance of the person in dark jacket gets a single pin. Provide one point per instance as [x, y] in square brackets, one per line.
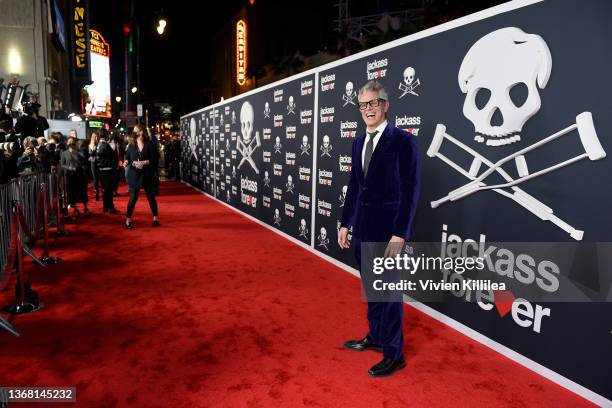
[95, 174]
[31, 124]
[27, 163]
[140, 159]
[106, 163]
[74, 166]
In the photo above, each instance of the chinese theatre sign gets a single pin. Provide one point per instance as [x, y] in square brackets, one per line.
[80, 40]
[97, 95]
[241, 52]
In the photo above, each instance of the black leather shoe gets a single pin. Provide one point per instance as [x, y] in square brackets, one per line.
[129, 225]
[156, 223]
[387, 367]
[362, 345]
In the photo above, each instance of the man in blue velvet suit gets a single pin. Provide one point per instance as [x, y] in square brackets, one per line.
[380, 204]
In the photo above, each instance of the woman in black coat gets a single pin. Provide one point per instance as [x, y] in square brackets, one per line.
[74, 165]
[141, 169]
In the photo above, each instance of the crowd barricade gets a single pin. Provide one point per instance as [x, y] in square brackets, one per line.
[29, 206]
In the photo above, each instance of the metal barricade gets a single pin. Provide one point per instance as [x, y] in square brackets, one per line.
[28, 204]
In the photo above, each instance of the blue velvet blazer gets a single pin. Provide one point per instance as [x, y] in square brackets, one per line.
[384, 203]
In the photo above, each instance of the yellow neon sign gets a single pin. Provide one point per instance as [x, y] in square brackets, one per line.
[241, 52]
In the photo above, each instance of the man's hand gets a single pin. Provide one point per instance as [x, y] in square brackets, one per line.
[342, 240]
[394, 247]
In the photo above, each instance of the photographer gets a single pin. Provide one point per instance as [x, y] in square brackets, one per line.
[28, 163]
[31, 124]
[6, 130]
[53, 153]
[42, 158]
[9, 153]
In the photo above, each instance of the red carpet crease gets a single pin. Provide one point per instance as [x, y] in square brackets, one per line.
[214, 310]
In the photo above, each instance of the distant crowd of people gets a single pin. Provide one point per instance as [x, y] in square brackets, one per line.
[105, 159]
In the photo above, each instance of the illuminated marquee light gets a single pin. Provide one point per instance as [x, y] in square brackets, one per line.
[98, 102]
[79, 35]
[97, 44]
[241, 52]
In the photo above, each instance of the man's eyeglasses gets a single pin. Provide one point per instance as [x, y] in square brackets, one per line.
[374, 103]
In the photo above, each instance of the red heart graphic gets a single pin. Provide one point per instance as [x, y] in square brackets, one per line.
[503, 301]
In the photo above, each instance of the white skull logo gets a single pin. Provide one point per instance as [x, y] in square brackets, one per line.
[305, 141]
[409, 74]
[349, 88]
[326, 141]
[501, 62]
[246, 122]
[192, 136]
[323, 233]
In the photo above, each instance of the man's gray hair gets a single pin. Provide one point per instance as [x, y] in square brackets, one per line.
[30, 141]
[375, 86]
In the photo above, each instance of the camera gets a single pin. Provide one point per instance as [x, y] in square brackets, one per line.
[11, 147]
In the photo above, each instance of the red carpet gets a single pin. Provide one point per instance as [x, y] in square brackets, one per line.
[213, 310]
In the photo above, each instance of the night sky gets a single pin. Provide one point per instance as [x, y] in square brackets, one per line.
[173, 66]
[176, 67]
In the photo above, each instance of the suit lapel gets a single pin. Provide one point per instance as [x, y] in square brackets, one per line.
[359, 148]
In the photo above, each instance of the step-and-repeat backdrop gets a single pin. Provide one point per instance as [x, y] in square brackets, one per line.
[516, 97]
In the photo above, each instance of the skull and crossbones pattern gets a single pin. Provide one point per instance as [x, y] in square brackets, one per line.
[291, 105]
[233, 117]
[323, 238]
[326, 147]
[233, 171]
[267, 110]
[305, 146]
[491, 67]
[410, 83]
[221, 120]
[349, 94]
[247, 144]
[277, 145]
[277, 217]
[302, 229]
[193, 137]
[290, 186]
[266, 179]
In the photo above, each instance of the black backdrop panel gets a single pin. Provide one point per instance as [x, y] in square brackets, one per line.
[534, 91]
[194, 159]
[265, 155]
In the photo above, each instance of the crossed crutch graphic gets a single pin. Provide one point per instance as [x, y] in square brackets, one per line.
[590, 142]
[247, 150]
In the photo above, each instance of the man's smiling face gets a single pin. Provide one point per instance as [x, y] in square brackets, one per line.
[373, 116]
